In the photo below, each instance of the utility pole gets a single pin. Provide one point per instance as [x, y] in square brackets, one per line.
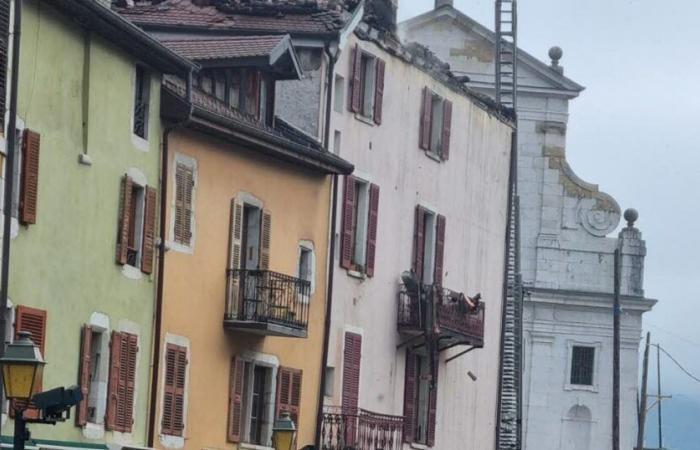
[616, 354]
[658, 392]
[643, 401]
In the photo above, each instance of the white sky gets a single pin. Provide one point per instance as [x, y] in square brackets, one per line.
[633, 131]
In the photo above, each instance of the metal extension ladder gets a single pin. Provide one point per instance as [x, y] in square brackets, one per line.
[506, 52]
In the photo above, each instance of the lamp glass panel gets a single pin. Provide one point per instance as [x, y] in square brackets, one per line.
[283, 440]
[19, 380]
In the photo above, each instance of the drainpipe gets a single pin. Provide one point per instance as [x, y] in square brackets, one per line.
[157, 327]
[9, 174]
[332, 58]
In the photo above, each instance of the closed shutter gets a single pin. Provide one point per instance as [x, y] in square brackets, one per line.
[352, 358]
[4, 50]
[418, 242]
[115, 360]
[372, 228]
[446, 129]
[174, 390]
[356, 81]
[29, 188]
[439, 250]
[379, 91]
[265, 238]
[84, 370]
[432, 408]
[409, 398]
[124, 220]
[348, 233]
[184, 185]
[235, 405]
[234, 256]
[31, 320]
[122, 380]
[289, 393]
[149, 230]
[127, 419]
[425, 118]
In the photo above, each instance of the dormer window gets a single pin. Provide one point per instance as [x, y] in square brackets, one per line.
[249, 91]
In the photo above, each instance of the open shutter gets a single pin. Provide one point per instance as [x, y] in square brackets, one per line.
[439, 250]
[174, 390]
[425, 118]
[124, 220]
[129, 376]
[149, 231]
[29, 188]
[409, 398]
[184, 184]
[446, 129]
[372, 228]
[356, 81]
[32, 320]
[379, 91]
[235, 405]
[4, 50]
[84, 374]
[266, 236]
[348, 234]
[289, 393]
[115, 359]
[418, 242]
[432, 409]
[234, 255]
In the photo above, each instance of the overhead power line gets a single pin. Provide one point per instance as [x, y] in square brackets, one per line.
[678, 364]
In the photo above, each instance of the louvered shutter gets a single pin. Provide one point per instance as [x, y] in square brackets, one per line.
[426, 118]
[184, 184]
[348, 234]
[174, 390]
[372, 228]
[32, 320]
[149, 230]
[356, 81]
[379, 91]
[265, 240]
[124, 220]
[439, 250]
[446, 129]
[352, 357]
[409, 398]
[432, 409]
[234, 256]
[4, 50]
[84, 374]
[235, 407]
[418, 242]
[122, 380]
[127, 418]
[115, 359]
[289, 393]
[29, 188]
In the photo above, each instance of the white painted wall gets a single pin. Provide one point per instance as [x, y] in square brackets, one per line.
[470, 189]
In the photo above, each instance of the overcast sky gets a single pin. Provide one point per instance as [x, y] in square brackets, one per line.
[633, 131]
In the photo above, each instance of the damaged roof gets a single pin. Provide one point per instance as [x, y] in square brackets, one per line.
[225, 48]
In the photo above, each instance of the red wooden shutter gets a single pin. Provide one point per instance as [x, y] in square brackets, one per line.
[439, 250]
[348, 234]
[235, 405]
[289, 393]
[124, 220]
[266, 237]
[184, 185]
[29, 188]
[372, 228]
[426, 118]
[129, 376]
[379, 91]
[356, 81]
[122, 380]
[446, 129]
[4, 50]
[149, 231]
[418, 242]
[432, 409]
[32, 320]
[174, 390]
[84, 374]
[409, 398]
[352, 358]
[115, 359]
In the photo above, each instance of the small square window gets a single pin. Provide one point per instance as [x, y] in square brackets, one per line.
[582, 365]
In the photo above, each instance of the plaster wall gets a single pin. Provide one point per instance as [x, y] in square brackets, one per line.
[195, 281]
[65, 263]
[470, 189]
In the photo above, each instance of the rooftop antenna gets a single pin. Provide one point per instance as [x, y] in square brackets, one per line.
[506, 53]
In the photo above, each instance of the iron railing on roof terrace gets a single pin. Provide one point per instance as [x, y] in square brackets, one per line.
[360, 430]
[267, 297]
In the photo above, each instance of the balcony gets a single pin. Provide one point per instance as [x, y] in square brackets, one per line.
[267, 303]
[361, 430]
[452, 317]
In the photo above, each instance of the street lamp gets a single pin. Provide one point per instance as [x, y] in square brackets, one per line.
[284, 433]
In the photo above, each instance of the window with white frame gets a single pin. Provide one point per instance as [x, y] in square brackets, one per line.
[258, 401]
[99, 368]
[306, 266]
[368, 80]
[184, 198]
[360, 222]
[582, 369]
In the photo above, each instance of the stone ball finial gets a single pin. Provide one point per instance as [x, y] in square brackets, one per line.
[556, 53]
[631, 215]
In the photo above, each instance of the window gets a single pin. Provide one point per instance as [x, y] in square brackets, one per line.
[436, 124]
[173, 422]
[337, 137]
[93, 372]
[582, 365]
[245, 90]
[122, 382]
[137, 221]
[329, 385]
[306, 267]
[339, 95]
[367, 89]
[183, 217]
[360, 215]
[428, 246]
[32, 320]
[420, 400]
[141, 102]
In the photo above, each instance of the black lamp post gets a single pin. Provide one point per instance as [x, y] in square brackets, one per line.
[22, 368]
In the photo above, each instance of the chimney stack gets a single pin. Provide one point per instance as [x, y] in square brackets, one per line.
[441, 3]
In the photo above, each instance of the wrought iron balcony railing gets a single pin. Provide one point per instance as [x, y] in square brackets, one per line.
[360, 430]
[451, 313]
[268, 303]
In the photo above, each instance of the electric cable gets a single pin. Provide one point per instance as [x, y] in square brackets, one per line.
[678, 364]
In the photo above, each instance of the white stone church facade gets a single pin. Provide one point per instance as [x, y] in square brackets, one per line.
[567, 245]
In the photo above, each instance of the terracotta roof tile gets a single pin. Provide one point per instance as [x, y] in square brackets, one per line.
[225, 48]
